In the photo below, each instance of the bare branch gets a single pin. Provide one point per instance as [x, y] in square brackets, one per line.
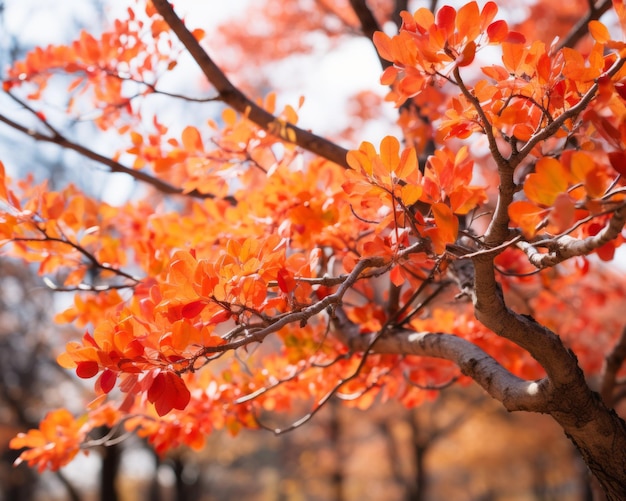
[232, 96]
[514, 392]
[333, 391]
[566, 247]
[90, 257]
[113, 166]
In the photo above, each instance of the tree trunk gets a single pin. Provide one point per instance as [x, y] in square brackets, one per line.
[417, 492]
[108, 475]
[601, 442]
[334, 435]
[598, 432]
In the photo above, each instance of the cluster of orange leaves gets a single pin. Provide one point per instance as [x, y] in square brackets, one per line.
[105, 67]
[238, 150]
[389, 183]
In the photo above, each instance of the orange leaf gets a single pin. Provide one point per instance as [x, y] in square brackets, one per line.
[383, 45]
[526, 216]
[408, 168]
[599, 32]
[192, 141]
[396, 276]
[468, 21]
[563, 213]
[446, 222]
[198, 34]
[3, 180]
[620, 10]
[410, 193]
[585, 170]
[390, 152]
[548, 181]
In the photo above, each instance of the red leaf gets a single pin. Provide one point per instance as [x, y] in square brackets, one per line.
[286, 281]
[618, 161]
[515, 37]
[445, 19]
[106, 381]
[168, 391]
[497, 31]
[323, 291]
[156, 388]
[620, 88]
[219, 317]
[396, 276]
[191, 310]
[467, 56]
[87, 369]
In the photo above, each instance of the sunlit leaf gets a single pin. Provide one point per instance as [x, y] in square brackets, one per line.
[547, 182]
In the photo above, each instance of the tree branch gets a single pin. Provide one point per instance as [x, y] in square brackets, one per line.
[543, 345]
[566, 247]
[257, 333]
[369, 24]
[113, 166]
[233, 97]
[400, 5]
[580, 29]
[498, 231]
[514, 393]
[550, 129]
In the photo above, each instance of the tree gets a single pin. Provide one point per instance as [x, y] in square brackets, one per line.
[263, 264]
[27, 369]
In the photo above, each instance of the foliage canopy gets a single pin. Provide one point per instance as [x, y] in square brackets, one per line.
[476, 246]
